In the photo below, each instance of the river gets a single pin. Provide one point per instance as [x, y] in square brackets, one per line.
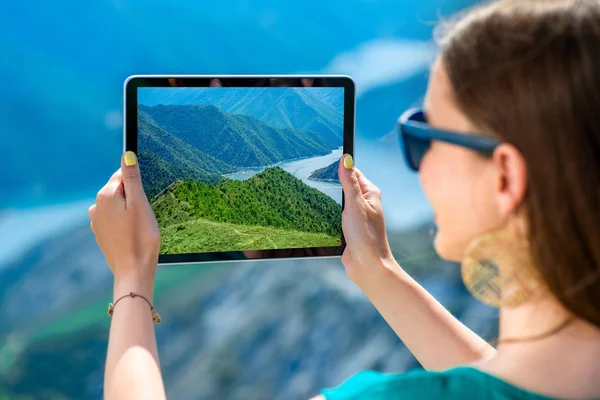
[302, 169]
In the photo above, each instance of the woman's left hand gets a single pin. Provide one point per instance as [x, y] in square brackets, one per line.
[125, 225]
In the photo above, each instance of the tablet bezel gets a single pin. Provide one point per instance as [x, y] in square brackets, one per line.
[130, 107]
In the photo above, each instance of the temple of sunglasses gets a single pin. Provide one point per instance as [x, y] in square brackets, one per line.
[415, 136]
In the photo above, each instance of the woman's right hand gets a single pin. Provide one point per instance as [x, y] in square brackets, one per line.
[125, 226]
[362, 221]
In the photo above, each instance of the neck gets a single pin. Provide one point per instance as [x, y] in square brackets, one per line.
[544, 323]
[534, 318]
[562, 364]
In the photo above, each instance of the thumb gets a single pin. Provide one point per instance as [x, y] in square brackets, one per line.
[132, 181]
[349, 181]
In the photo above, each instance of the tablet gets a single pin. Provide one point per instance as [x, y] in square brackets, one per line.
[242, 167]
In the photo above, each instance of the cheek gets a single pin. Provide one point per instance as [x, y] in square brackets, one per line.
[438, 175]
[448, 182]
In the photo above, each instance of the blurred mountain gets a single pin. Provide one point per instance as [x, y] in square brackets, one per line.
[49, 277]
[251, 330]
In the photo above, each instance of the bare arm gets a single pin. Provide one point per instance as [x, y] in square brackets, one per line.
[435, 337]
[132, 365]
[127, 233]
[431, 333]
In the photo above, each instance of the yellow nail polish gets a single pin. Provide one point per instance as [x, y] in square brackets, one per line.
[348, 162]
[130, 158]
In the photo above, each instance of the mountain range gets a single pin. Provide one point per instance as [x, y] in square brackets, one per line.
[165, 158]
[319, 110]
[255, 330]
[202, 142]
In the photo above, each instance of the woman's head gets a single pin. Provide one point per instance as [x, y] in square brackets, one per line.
[527, 73]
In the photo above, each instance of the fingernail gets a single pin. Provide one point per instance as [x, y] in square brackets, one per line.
[348, 162]
[130, 158]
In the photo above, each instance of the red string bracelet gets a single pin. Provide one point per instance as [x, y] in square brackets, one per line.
[155, 317]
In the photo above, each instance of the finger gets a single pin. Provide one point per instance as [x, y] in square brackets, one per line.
[92, 228]
[113, 183]
[349, 181]
[370, 192]
[111, 189]
[366, 186]
[92, 212]
[132, 180]
[116, 177]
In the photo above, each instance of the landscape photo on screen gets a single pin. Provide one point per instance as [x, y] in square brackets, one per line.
[234, 169]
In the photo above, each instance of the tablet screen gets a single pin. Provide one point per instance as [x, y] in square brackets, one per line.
[237, 169]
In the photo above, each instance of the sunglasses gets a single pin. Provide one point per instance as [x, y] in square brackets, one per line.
[415, 136]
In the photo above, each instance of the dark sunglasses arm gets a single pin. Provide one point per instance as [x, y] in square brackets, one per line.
[423, 131]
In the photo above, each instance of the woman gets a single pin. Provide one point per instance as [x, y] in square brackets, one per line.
[508, 155]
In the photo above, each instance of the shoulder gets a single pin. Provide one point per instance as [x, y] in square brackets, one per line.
[456, 383]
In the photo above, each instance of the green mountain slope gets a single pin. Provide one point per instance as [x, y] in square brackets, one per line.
[237, 140]
[272, 198]
[154, 139]
[164, 158]
[332, 134]
[201, 235]
[328, 173]
[157, 173]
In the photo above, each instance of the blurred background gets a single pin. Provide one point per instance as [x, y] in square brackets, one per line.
[251, 330]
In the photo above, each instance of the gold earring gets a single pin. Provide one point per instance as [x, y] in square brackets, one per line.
[498, 270]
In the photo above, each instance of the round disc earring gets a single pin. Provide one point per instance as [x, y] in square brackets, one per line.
[498, 270]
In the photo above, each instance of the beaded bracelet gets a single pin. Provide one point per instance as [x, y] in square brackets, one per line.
[155, 317]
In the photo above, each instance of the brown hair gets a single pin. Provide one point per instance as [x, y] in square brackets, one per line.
[529, 73]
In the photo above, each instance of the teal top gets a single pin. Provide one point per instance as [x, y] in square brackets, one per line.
[457, 383]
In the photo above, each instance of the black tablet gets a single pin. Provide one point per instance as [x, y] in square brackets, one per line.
[242, 167]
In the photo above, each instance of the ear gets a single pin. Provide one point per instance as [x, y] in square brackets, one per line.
[511, 175]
